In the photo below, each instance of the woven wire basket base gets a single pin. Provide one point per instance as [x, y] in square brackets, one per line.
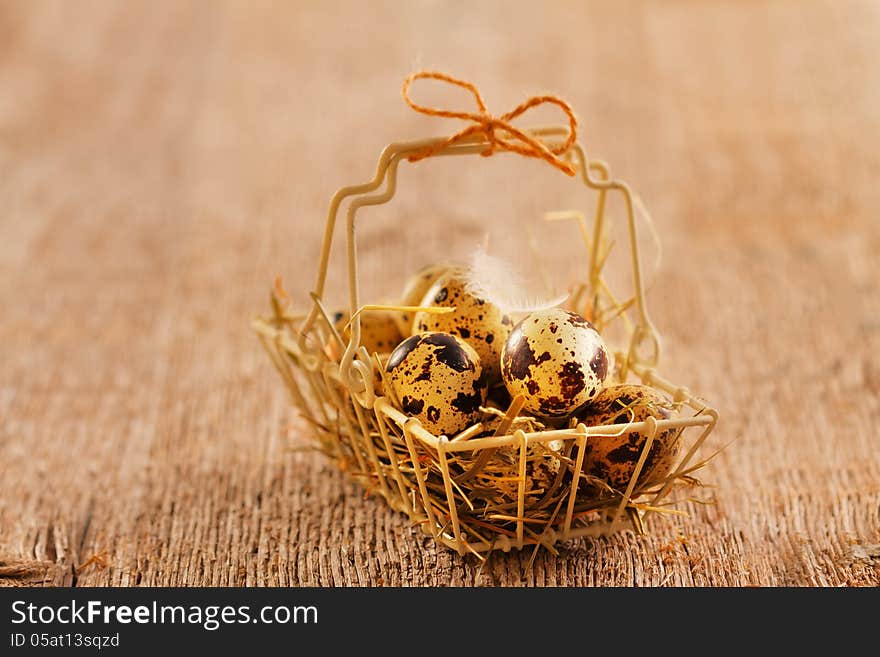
[473, 492]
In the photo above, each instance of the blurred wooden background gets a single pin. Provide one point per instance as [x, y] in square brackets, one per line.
[161, 162]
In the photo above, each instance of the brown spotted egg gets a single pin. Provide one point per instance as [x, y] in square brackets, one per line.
[556, 360]
[613, 458]
[414, 291]
[379, 332]
[437, 377]
[378, 383]
[478, 322]
[543, 461]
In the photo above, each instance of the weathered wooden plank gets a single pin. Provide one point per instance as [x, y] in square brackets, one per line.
[159, 165]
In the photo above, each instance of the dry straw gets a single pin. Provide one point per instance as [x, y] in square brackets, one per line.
[508, 481]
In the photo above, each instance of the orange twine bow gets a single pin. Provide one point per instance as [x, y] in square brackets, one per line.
[488, 126]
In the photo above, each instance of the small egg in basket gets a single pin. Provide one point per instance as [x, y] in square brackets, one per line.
[437, 377]
[613, 458]
[414, 291]
[478, 322]
[556, 360]
[379, 332]
[544, 460]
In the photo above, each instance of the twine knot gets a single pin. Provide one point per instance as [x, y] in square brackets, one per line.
[498, 131]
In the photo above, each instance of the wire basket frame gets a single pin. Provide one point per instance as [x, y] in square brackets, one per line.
[429, 477]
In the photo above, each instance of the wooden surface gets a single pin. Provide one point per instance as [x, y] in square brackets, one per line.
[161, 162]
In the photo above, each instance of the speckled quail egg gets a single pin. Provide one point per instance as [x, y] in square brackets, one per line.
[613, 458]
[556, 360]
[414, 291]
[544, 460]
[542, 469]
[437, 377]
[379, 332]
[478, 322]
[378, 383]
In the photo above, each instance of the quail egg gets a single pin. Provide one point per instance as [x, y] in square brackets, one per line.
[414, 292]
[556, 360]
[542, 468]
[378, 383]
[613, 458]
[437, 377]
[544, 461]
[478, 322]
[379, 332]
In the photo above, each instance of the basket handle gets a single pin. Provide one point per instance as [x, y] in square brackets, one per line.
[594, 174]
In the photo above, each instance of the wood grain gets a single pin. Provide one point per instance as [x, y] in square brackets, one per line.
[161, 162]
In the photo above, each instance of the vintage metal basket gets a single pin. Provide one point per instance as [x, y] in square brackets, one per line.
[431, 478]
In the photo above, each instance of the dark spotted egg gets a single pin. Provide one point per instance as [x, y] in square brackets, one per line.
[438, 379]
[379, 332]
[613, 458]
[414, 291]
[478, 322]
[556, 360]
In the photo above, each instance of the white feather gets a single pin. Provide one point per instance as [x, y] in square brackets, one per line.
[501, 284]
